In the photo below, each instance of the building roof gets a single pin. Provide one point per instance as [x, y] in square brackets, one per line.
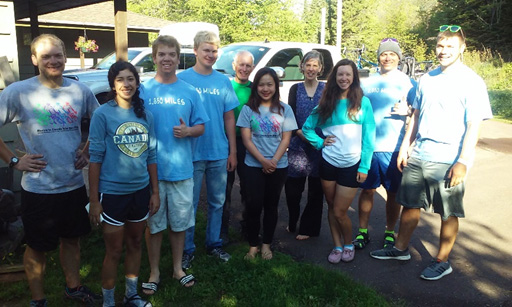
[99, 15]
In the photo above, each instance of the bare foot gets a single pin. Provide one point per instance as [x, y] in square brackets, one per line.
[182, 274]
[301, 237]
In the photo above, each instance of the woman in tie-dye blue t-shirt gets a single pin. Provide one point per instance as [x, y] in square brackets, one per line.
[266, 126]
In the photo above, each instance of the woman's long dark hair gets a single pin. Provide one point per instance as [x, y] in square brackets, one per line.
[255, 99]
[332, 93]
[137, 102]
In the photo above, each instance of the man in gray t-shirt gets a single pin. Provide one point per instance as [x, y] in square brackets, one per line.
[48, 110]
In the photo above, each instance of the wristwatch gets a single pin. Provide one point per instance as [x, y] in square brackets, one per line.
[14, 161]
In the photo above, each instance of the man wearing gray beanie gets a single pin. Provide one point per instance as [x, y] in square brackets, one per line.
[390, 91]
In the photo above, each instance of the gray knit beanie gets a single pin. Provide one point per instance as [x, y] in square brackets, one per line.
[389, 46]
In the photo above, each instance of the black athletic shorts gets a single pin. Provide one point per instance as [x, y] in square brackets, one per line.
[49, 217]
[133, 207]
[344, 176]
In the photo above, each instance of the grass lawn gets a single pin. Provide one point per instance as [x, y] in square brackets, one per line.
[278, 282]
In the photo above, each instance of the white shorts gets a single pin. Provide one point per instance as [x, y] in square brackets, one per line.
[176, 206]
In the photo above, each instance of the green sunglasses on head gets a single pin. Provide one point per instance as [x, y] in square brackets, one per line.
[452, 28]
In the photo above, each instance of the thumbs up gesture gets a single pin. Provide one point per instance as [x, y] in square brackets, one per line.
[182, 130]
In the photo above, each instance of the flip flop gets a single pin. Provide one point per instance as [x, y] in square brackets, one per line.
[250, 256]
[150, 286]
[187, 279]
[267, 255]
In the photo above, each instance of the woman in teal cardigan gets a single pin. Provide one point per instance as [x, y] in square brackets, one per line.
[345, 118]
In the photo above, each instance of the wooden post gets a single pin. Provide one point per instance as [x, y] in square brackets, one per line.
[34, 25]
[121, 30]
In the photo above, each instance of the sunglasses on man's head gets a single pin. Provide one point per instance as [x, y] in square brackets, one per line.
[389, 39]
[451, 28]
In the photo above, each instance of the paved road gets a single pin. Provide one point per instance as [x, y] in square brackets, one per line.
[481, 258]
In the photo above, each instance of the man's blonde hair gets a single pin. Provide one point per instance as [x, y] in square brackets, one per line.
[47, 37]
[206, 37]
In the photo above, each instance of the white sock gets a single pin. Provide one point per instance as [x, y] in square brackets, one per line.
[108, 297]
[131, 286]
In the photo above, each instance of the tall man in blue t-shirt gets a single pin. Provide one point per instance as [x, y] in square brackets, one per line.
[390, 91]
[215, 151]
[450, 104]
[179, 118]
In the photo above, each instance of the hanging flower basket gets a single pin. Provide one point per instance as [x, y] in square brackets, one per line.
[86, 45]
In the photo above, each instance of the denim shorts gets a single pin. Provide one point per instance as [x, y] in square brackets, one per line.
[119, 209]
[176, 206]
[383, 171]
[425, 185]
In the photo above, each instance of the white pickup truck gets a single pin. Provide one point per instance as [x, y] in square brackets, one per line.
[284, 57]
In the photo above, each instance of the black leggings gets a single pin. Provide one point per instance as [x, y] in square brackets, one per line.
[311, 219]
[263, 193]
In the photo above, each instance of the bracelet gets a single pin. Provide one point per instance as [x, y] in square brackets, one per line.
[275, 160]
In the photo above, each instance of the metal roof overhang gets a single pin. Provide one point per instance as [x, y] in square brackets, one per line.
[22, 7]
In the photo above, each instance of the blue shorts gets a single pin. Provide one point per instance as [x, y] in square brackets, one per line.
[426, 185]
[344, 176]
[119, 209]
[176, 206]
[383, 171]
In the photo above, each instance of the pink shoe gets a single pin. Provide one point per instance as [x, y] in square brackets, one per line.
[334, 256]
[348, 254]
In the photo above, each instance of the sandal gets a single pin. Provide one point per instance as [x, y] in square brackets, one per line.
[130, 301]
[150, 286]
[250, 256]
[186, 280]
[267, 255]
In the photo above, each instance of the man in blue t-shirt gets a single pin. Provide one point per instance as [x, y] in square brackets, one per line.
[215, 151]
[179, 118]
[450, 104]
[390, 92]
[48, 110]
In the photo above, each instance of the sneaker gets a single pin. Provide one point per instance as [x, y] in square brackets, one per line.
[348, 254]
[220, 253]
[334, 256]
[436, 270]
[186, 261]
[361, 240]
[135, 301]
[389, 240]
[391, 253]
[84, 295]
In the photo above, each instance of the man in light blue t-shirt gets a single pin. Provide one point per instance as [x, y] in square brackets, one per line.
[179, 119]
[390, 92]
[48, 110]
[450, 104]
[215, 151]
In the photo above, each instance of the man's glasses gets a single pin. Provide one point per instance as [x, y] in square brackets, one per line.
[389, 39]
